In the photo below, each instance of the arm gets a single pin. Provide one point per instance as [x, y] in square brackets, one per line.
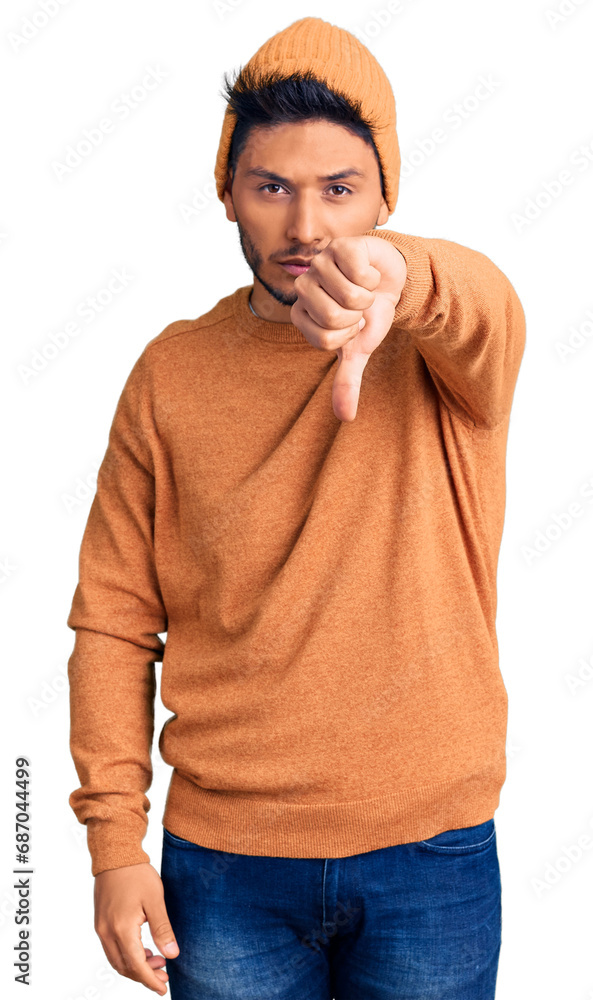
[466, 320]
[117, 611]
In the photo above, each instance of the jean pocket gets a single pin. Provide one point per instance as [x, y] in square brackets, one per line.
[466, 840]
[176, 841]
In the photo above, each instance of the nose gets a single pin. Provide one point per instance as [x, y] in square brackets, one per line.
[305, 224]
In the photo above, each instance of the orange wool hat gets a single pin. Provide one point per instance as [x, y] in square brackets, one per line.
[340, 60]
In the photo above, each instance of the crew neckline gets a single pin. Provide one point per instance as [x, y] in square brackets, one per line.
[255, 326]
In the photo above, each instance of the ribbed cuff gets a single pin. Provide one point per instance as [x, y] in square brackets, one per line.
[419, 284]
[111, 846]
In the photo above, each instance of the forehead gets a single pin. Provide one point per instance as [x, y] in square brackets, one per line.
[311, 148]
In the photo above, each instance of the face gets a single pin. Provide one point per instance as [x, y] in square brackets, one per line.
[298, 186]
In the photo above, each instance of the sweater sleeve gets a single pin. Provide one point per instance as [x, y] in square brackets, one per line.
[117, 612]
[467, 321]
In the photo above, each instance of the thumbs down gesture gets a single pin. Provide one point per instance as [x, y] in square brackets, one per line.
[346, 303]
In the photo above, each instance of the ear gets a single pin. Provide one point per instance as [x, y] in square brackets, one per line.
[383, 213]
[228, 198]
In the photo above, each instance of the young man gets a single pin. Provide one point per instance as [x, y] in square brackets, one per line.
[311, 507]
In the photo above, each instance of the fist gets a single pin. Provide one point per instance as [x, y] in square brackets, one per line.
[346, 303]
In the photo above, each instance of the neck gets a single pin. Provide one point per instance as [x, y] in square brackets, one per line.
[266, 306]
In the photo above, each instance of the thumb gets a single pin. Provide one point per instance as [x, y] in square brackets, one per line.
[346, 385]
[355, 353]
[161, 930]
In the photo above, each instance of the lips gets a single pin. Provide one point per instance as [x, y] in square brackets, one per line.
[294, 268]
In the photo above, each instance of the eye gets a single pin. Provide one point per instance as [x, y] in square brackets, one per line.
[342, 187]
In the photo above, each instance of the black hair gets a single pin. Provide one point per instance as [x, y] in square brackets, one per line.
[264, 100]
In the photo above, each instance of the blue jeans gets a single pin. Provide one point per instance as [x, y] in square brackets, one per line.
[409, 922]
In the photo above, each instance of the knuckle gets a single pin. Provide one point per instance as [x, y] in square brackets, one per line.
[334, 317]
[161, 929]
[351, 300]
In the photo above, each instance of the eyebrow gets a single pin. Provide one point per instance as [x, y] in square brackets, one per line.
[277, 179]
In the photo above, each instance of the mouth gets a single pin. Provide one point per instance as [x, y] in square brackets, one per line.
[295, 267]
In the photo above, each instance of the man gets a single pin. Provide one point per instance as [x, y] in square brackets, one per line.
[305, 488]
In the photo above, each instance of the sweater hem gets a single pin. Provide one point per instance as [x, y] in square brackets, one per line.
[233, 823]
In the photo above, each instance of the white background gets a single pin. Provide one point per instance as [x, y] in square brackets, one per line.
[122, 207]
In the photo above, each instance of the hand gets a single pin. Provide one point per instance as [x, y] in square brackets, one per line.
[346, 303]
[124, 899]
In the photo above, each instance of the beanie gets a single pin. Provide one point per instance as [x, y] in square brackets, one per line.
[339, 59]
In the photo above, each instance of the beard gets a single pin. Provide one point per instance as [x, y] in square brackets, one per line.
[254, 260]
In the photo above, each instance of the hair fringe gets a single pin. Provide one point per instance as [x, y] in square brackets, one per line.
[267, 98]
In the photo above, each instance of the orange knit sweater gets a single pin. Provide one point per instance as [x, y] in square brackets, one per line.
[328, 589]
